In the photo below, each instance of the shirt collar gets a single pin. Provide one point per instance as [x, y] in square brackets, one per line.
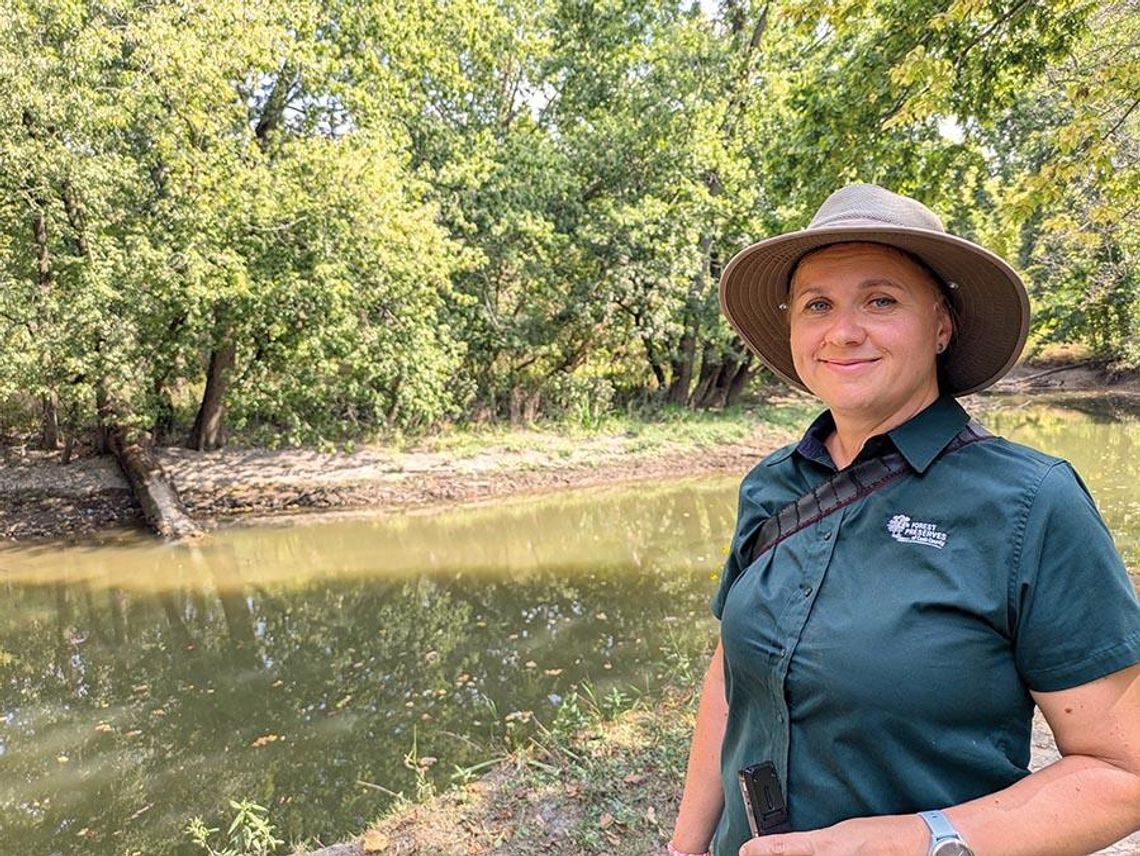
[922, 438]
[919, 440]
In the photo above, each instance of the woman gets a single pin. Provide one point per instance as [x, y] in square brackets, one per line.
[885, 639]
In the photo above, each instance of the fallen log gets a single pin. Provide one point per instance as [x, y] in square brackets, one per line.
[1018, 381]
[161, 506]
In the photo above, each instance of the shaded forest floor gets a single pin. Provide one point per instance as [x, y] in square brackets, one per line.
[42, 498]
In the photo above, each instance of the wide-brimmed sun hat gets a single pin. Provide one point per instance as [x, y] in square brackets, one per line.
[990, 305]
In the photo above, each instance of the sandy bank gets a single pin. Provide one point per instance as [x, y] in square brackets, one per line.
[41, 498]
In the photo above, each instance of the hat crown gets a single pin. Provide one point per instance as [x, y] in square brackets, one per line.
[868, 204]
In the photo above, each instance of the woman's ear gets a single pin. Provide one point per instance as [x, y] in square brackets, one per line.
[945, 325]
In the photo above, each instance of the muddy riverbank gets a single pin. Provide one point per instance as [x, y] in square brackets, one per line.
[40, 498]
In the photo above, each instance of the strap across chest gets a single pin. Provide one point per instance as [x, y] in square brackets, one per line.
[843, 488]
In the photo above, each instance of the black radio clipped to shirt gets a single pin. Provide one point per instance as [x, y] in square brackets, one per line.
[764, 799]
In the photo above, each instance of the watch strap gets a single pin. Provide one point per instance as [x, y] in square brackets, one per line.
[940, 826]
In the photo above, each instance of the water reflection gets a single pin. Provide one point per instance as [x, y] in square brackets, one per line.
[143, 684]
[146, 684]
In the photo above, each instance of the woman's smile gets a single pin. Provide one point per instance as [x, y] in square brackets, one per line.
[848, 362]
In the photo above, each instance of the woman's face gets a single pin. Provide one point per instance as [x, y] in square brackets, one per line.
[866, 324]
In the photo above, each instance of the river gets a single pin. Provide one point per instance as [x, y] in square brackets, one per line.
[309, 666]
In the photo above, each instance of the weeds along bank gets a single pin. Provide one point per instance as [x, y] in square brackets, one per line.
[603, 777]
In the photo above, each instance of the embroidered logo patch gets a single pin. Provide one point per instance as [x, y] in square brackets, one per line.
[907, 531]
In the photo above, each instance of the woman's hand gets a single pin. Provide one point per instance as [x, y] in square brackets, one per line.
[900, 835]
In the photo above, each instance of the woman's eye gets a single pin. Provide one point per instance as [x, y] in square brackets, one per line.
[883, 302]
[817, 306]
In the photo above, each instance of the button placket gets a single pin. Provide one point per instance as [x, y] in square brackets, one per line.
[798, 613]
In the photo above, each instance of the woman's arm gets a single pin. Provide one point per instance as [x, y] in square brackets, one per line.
[1075, 806]
[703, 797]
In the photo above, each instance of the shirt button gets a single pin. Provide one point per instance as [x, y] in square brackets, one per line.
[826, 534]
[807, 591]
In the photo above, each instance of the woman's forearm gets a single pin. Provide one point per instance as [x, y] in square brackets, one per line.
[703, 797]
[1084, 801]
[1073, 807]
[1077, 805]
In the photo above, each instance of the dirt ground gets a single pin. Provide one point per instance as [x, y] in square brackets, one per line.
[41, 499]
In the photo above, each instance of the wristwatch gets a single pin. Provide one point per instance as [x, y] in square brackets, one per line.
[944, 838]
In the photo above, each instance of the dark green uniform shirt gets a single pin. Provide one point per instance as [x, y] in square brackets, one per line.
[882, 658]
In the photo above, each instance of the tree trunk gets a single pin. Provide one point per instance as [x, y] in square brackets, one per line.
[104, 417]
[531, 406]
[682, 366]
[718, 395]
[163, 428]
[687, 351]
[517, 402]
[654, 363]
[162, 508]
[739, 381]
[49, 422]
[207, 431]
[710, 373]
[273, 111]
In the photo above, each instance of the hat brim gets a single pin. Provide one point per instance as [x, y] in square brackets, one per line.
[991, 305]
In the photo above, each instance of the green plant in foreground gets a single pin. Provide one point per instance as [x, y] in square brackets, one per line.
[420, 764]
[609, 706]
[250, 833]
[570, 718]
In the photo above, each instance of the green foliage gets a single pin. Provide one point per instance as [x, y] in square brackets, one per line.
[376, 217]
[570, 718]
[249, 834]
[1068, 161]
[419, 765]
[610, 705]
[177, 183]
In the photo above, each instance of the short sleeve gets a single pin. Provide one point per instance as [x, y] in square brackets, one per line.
[749, 517]
[1076, 616]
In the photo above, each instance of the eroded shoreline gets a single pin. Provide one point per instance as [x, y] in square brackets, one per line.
[42, 499]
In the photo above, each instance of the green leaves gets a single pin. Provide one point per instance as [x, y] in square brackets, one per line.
[401, 213]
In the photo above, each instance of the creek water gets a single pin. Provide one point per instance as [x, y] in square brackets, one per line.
[316, 667]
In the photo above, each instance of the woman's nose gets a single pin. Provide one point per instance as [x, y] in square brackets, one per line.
[845, 328]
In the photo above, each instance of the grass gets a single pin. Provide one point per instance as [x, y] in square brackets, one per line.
[606, 781]
[672, 426]
[602, 778]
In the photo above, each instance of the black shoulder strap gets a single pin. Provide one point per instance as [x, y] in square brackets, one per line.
[842, 489]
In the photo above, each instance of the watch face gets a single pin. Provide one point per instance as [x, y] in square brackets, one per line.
[953, 847]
